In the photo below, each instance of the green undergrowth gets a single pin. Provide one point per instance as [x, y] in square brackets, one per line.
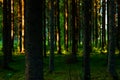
[63, 70]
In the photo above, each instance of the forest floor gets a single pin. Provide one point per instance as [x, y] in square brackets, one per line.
[63, 71]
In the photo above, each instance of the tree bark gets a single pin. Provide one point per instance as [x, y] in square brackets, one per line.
[12, 25]
[103, 24]
[34, 39]
[20, 24]
[58, 27]
[66, 24]
[118, 28]
[7, 49]
[111, 55]
[87, 14]
[44, 29]
[52, 37]
[74, 30]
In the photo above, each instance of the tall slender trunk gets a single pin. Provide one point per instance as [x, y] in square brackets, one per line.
[78, 22]
[20, 24]
[74, 31]
[34, 39]
[118, 27]
[44, 29]
[12, 25]
[87, 14]
[5, 25]
[52, 38]
[66, 24]
[103, 24]
[96, 24]
[58, 26]
[9, 32]
[7, 49]
[111, 55]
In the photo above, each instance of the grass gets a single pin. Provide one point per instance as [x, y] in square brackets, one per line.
[62, 70]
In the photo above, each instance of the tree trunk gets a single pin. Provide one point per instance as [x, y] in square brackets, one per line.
[20, 24]
[74, 31]
[78, 26]
[66, 24]
[34, 39]
[7, 49]
[44, 29]
[52, 38]
[5, 36]
[87, 14]
[58, 27]
[118, 28]
[111, 55]
[103, 24]
[96, 24]
[12, 25]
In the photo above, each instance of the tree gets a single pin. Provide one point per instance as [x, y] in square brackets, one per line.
[20, 24]
[34, 39]
[12, 25]
[58, 27]
[66, 24]
[78, 23]
[87, 13]
[44, 29]
[118, 27]
[52, 38]
[74, 30]
[96, 22]
[7, 49]
[103, 24]
[111, 52]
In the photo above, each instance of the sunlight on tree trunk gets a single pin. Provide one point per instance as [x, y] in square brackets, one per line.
[66, 24]
[22, 50]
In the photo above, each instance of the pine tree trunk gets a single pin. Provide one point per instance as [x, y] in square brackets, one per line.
[52, 38]
[34, 39]
[58, 26]
[118, 27]
[103, 24]
[12, 25]
[66, 24]
[78, 24]
[87, 14]
[7, 49]
[44, 37]
[9, 31]
[96, 24]
[111, 55]
[74, 30]
[5, 25]
[20, 24]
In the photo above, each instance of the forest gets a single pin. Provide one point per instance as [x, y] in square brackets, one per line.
[59, 39]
